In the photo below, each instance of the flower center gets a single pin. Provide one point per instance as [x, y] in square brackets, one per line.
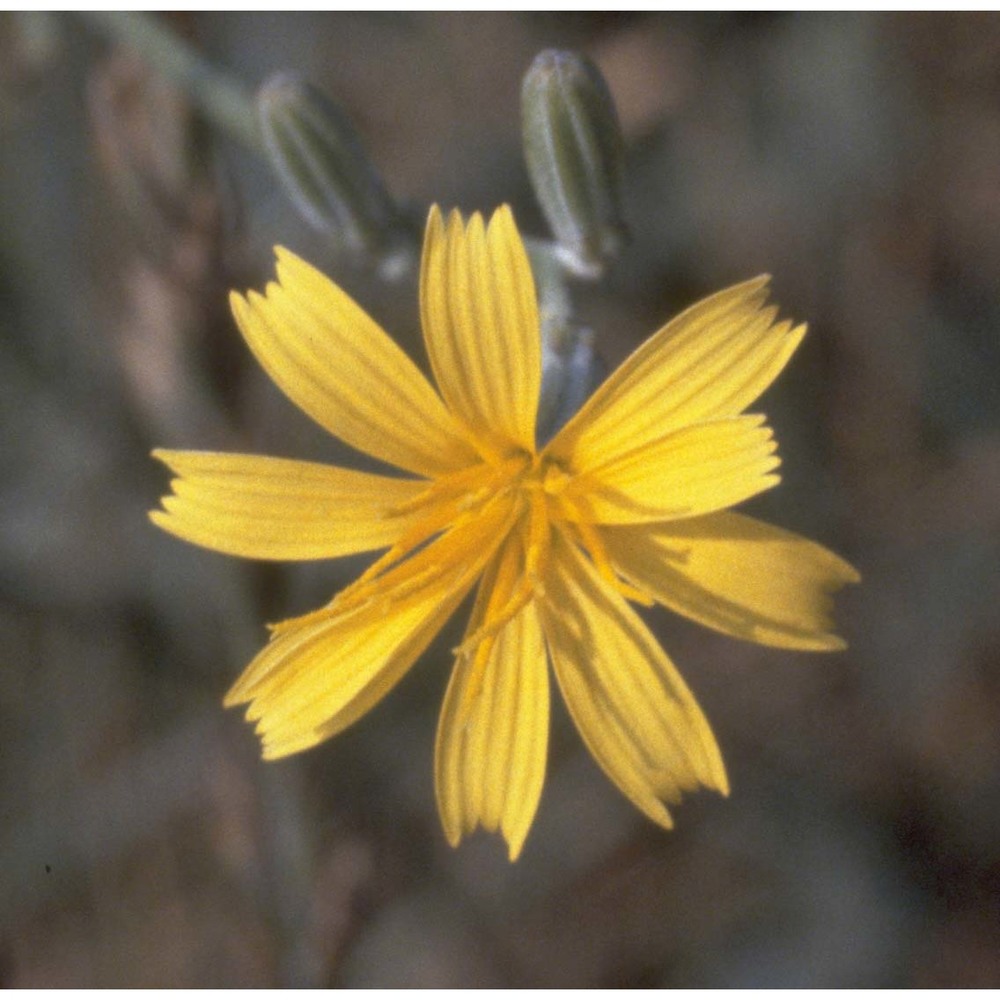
[510, 507]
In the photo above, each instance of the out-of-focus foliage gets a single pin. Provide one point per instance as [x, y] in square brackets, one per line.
[142, 841]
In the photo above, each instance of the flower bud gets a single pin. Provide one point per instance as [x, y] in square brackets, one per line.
[324, 167]
[574, 150]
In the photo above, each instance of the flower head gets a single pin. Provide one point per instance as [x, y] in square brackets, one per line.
[628, 502]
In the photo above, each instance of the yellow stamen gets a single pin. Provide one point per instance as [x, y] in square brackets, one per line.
[448, 502]
[589, 538]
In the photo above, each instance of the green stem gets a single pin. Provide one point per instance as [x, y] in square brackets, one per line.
[554, 302]
[223, 100]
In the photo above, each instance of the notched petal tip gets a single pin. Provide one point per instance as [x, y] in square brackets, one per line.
[237, 304]
[515, 844]
[475, 229]
[454, 224]
[720, 782]
[287, 262]
[502, 223]
[841, 574]
[177, 460]
[234, 697]
[160, 518]
[434, 230]
[743, 577]
[834, 644]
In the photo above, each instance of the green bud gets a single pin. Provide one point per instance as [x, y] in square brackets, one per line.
[574, 150]
[323, 166]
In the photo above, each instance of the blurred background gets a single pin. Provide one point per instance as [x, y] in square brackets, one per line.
[142, 840]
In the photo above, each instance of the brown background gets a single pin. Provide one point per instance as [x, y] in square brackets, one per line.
[143, 843]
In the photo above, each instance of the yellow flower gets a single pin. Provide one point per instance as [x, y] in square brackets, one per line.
[629, 500]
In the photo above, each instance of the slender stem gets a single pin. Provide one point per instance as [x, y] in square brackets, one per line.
[554, 301]
[221, 98]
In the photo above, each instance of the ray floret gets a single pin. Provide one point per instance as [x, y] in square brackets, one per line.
[629, 502]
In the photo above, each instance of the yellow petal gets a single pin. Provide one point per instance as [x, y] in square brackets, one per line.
[493, 733]
[321, 672]
[692, 471]
[738, 575]
[333, 361]
[480, 320]
[273, 508]
[321, 676]
[631, 706]
[712, 361]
